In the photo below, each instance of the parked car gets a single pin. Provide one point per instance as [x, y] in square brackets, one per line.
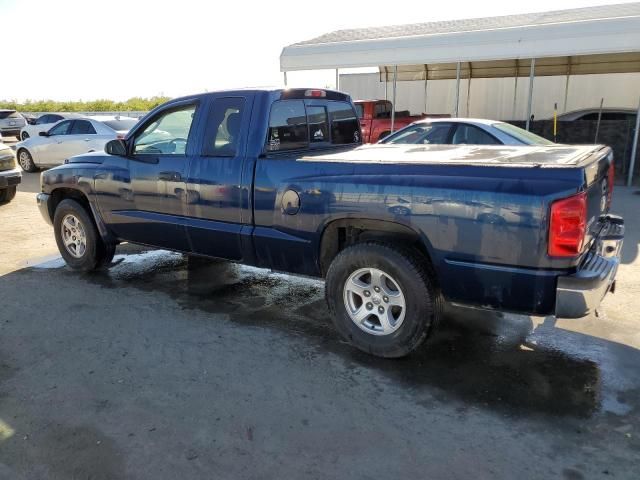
[10, 175]
[464, 131]
[310, 203]
[68, 138]
[375, 119]
[30, 118]
[591, 114]
[11, 122]
[43, 123]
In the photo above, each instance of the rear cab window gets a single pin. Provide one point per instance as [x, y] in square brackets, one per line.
[317, 119]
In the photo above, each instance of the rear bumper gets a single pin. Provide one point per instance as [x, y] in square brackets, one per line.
[580, 294]
[43, 205]
[9, 178]
[10, 132]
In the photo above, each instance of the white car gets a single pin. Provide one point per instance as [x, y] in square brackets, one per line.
[44, 123]
[464, 131]
[68, 138]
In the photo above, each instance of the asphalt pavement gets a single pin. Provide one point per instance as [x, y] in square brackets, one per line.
[165, 367]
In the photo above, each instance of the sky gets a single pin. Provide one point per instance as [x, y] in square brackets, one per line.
[115, 49]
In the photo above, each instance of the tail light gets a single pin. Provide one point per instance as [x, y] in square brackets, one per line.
[567, 226]
[610, 177]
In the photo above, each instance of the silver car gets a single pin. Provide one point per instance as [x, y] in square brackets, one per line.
[44, 123]
[11, 122]
[70, 137]
[464, 131]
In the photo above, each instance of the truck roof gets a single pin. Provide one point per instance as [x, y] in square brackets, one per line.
[489, 155]
[267, 89]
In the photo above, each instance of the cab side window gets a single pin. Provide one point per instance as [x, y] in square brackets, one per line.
[61, 128]
[167, 133]
[222, 136]
[383, 110]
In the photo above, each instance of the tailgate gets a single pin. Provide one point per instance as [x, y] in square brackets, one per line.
[599, 173]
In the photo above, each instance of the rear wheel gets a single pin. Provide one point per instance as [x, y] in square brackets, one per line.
[26, 161]
[383, 298]
[7, 194]
[78, 239]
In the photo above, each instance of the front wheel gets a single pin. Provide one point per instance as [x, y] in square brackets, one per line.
[24, 136]
[26, 161]
[78, 239]
[383, 298]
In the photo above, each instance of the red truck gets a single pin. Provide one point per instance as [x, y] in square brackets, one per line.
[375, 119]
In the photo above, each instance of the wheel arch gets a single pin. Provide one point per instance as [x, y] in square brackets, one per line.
[341, 233]
[65, 193]
[20, 149]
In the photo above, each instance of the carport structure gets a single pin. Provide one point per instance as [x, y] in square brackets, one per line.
[594, 40]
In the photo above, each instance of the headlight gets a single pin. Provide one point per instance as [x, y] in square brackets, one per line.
[7, 159]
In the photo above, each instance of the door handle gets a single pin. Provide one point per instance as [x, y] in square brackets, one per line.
[170, 176]
[87, 139]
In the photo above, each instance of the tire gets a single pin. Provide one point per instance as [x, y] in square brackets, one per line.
[26, 161]
[24, 136]
[407, 277]
[7, 194]
[78, 239]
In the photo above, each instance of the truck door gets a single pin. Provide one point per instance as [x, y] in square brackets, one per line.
[218, 201]
[146, 200]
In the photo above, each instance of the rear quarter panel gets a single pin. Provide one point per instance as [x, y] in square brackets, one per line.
[485, 228]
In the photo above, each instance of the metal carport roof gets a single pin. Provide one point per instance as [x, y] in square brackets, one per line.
[602, 39]
[607, 29]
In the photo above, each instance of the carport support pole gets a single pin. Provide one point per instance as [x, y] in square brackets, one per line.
[457, 89]
[634, 149]
[393, 106]
[337, 80]
[425, 92]
[532, 73]
[285, 78]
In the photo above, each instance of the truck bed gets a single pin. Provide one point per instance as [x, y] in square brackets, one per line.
[560, 156]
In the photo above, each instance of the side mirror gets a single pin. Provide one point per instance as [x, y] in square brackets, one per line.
[44, 134]
[116, 147]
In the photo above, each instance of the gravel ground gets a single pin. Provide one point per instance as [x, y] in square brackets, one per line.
[165, 368]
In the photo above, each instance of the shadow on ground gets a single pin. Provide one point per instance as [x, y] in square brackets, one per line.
[484, 360]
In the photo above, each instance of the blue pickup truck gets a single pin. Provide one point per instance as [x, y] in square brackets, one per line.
[277, 179]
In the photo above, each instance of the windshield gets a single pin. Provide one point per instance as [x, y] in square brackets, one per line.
[120, 125]
[521, 135]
